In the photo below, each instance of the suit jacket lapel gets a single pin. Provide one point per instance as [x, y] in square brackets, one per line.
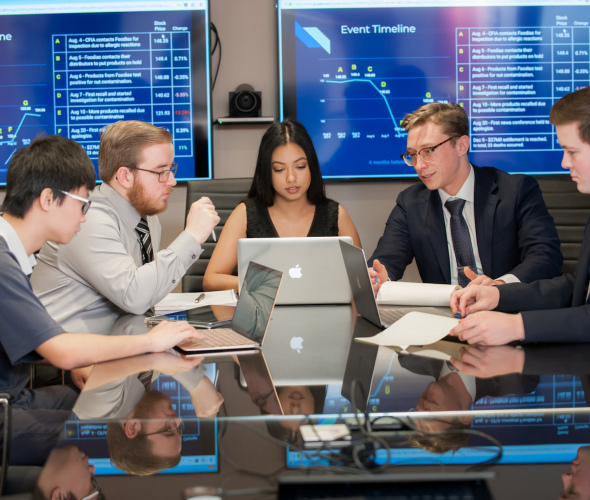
[434, 222]
[485, 203]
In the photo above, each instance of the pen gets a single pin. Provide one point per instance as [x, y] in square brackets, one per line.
[376, 279]
[213, 235]
[200, 297]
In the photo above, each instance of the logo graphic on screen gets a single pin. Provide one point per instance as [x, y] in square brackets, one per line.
[313, 37]
[295, 272]
[297, 344]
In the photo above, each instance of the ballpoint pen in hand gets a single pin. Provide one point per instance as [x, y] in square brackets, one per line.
[213, 235]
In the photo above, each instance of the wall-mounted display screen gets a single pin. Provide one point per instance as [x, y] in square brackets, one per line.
[350, 71]
[535, 418]
[190, 449]
[71, 67]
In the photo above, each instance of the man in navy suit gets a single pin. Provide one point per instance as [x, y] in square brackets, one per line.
[513, 237]
[552, 310]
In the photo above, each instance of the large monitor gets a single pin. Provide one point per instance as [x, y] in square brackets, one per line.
[70, 67]
[350, 70]
[540, 419]
[197, 439]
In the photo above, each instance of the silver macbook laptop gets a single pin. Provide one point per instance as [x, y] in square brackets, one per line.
[308, 345]
[251, 317]
[357, 271]
[313, 268]
[255, 377]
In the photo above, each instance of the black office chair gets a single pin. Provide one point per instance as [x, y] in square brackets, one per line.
[18, 482]
[570, 210]
[226, 194]
[5, 399]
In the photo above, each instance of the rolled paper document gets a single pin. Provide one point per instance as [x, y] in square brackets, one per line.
[402, 293]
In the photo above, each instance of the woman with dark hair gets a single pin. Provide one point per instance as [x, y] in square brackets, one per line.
[287, 199]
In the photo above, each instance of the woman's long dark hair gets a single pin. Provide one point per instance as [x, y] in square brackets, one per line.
[280, 134]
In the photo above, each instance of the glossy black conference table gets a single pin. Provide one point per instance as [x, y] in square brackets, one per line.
[235, 422]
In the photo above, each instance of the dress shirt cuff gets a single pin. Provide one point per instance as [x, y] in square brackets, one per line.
[509, 278]
[187, 248]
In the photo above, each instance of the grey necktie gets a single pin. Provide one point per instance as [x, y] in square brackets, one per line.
[147, 252]
[461, 239]
[146, 378]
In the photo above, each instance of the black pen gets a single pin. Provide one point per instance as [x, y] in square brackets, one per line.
[200, 297]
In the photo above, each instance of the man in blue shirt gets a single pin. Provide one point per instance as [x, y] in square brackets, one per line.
[48, 184]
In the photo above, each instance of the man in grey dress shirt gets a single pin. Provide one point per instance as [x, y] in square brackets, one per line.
[106, 269]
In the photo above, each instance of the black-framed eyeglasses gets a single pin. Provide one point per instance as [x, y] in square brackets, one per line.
[427, 154]
[172, 425]
[96, 486]
[85, 202]
[163, 175]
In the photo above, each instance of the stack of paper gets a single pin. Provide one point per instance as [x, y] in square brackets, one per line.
[174, 302]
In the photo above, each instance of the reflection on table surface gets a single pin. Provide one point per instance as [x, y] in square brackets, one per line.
[234, 421]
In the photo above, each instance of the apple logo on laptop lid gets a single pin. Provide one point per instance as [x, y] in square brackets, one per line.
[295, 272]
[296, 344]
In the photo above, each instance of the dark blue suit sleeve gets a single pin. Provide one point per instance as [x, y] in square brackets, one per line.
[547, 314]
[394, 249]
[538, 242]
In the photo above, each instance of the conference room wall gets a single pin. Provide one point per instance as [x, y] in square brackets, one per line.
[248, 33]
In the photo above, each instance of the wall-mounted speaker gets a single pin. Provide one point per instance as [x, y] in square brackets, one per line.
[245, 102]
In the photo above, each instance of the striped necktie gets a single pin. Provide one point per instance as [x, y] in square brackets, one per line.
[461, 239]
[146, 378]
[147, 252]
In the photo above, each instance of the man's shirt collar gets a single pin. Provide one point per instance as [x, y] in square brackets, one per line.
[16, 246]
[467, 191]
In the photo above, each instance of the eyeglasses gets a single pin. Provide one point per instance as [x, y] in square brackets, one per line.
[427, 154]
[85, 202]
[172, 425]
[163, 175]
[98, 491]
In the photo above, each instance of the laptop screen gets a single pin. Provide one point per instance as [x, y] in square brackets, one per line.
[257, 298]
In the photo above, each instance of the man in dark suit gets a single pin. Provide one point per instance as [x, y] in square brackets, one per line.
[553, 310]
[512, 235]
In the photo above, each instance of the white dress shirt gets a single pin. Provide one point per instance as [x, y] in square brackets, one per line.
[467, 193]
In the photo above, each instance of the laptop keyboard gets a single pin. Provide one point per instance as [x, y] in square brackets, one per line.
[222, 337]
[390, 316]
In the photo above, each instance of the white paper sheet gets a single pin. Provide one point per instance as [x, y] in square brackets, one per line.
[417, 294]
[174, 302]
[415, 328]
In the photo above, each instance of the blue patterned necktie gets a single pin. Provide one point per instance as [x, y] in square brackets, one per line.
[461, 239]
[147, 252]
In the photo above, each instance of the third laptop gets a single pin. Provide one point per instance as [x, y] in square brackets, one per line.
[251, 317]
[362, 290]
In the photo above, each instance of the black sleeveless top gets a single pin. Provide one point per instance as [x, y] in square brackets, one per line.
[259, 223]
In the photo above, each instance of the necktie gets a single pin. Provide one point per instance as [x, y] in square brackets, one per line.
[146, 378]
[461, 239]
[147, 252]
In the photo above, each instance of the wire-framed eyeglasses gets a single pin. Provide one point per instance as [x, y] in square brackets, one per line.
[172, 425]
[85, 202]
[163, 175]
[427, 154]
